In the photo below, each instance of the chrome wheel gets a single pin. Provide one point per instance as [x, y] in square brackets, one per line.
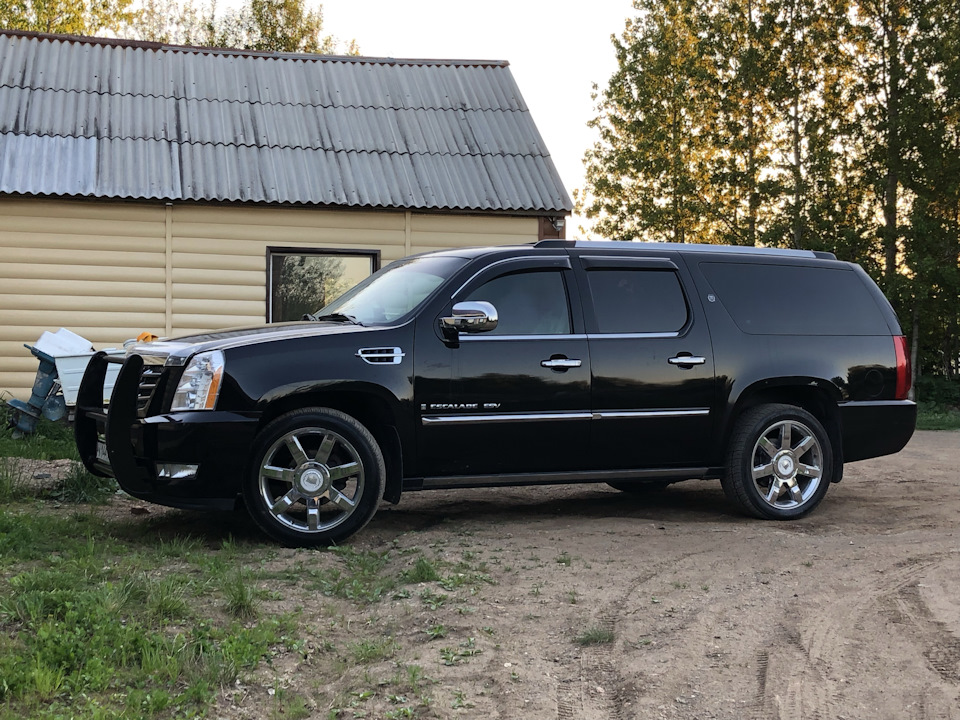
[787, 466]
[311, 480]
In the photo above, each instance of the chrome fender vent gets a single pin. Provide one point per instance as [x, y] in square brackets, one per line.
[381, 355]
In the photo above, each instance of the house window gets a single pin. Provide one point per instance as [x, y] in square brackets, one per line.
[302, 281]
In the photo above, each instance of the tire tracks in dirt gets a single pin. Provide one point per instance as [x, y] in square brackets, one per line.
[802, 677]
[598, 689]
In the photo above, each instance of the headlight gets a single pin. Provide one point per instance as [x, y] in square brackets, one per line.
[200, 384]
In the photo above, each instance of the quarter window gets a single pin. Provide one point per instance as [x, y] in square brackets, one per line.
[637, 301]
[527, 303]
[303, 281]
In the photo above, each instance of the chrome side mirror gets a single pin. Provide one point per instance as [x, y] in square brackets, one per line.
[471, 317]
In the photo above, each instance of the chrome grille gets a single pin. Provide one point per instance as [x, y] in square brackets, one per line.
[149, 378]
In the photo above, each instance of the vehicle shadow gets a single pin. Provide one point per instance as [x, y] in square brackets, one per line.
[690, 502]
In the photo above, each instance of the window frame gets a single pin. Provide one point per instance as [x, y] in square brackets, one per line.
[593, 262]
[520, 264]
[372, 253]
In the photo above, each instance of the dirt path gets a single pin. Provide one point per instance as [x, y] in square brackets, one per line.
[853, 612]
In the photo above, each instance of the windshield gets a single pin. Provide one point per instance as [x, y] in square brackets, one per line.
[394, 291]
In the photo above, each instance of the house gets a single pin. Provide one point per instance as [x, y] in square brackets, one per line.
[146, 187]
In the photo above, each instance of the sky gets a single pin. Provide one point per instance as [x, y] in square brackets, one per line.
[557, 49]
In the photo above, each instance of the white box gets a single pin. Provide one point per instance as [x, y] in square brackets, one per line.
[70, 369]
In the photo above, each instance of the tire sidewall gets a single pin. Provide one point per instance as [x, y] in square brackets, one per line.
[352, 431]
[755, 423]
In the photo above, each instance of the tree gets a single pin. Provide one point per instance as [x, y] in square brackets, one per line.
[266, 25]
[643, 173]
[72, 17]
[824, 124]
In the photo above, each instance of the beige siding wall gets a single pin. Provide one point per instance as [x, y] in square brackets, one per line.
[109, 271]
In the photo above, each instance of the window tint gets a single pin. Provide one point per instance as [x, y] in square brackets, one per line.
[637, 300]
[795, 300]
[527, 303]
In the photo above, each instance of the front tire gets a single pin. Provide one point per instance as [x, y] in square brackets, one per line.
[316, 477]
[780, 462]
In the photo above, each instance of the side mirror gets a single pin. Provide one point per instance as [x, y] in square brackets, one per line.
[470, 317]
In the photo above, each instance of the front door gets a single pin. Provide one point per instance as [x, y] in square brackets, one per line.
[518, 400]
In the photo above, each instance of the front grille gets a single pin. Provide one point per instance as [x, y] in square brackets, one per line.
[149, 379]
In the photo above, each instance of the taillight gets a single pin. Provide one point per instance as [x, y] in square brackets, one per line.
[903, 367]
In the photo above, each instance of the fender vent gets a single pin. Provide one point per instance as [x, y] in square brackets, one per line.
[381, 355]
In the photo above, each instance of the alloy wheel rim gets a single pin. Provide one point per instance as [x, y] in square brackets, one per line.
[311, 480]
[787, 464]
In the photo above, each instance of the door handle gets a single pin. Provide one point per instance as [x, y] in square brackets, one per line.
[687, 360]
[560, 363]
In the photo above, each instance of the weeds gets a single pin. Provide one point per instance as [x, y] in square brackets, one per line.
[241, 598]
[373, 650]
[13, 481]
[81, 486]
[423, 571]
[595, 635]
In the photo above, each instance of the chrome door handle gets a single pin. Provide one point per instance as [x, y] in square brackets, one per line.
[560, 363]
[687, 360]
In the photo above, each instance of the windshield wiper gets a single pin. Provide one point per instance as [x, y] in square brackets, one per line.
[334, 317]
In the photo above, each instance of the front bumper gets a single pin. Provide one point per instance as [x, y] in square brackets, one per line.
[119, 443]
[874, 428]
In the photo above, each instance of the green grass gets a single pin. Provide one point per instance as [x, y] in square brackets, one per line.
[931, 416]
[595, 635]
[49, 441]
[90, 628]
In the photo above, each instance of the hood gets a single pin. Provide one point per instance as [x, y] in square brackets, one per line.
[187, 345]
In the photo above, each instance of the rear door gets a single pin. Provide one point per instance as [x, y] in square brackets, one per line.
[654, 390]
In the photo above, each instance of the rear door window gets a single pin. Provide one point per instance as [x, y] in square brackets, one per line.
[637, 300]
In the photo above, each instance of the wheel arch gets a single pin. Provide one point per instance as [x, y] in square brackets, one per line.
[817, 396]
[373, 406]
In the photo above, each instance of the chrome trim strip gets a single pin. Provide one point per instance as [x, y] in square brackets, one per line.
[558, 478]
[482, 336]
[620, 414]
[502, 418]
[481, 419]
[631, 336]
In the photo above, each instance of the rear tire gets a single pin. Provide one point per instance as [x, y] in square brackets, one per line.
[780, 462]
[316, 477]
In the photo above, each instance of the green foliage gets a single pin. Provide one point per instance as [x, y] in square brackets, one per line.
[266, 25]
[73, 17]
[823, 124]
[937, 417]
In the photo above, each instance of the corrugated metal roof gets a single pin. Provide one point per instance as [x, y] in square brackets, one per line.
[120, 119]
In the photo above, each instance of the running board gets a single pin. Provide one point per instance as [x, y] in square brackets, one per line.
[557, 478]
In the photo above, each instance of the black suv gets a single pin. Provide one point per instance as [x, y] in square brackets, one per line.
[633, 364]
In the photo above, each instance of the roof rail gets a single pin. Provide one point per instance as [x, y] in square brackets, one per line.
[684, 247]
